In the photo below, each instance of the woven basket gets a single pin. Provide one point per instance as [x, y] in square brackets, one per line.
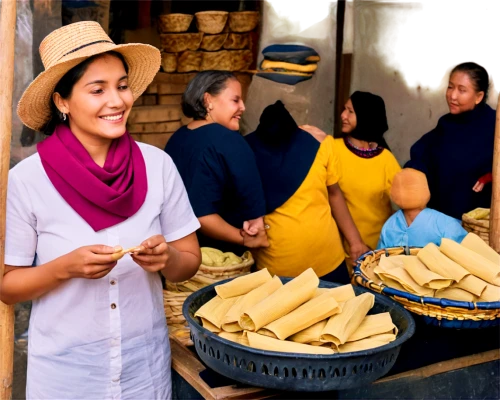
[212, 22]
[243, 21]
[178, 42]
[481, 227]
[176, 293]
[438, 312]
[169, 62]
[174, 22]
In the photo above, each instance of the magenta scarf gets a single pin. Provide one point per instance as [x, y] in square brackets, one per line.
[105, 196]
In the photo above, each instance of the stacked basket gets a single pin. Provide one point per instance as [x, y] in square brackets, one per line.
[223, 41]
[176, 293]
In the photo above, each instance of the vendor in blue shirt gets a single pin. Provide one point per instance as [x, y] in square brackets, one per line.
[414, 225]
[217, 165]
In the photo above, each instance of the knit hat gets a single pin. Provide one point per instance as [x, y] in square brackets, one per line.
[67, 47]
[410, 190]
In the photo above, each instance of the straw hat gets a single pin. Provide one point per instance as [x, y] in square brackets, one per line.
[67, 47]
[410, 190]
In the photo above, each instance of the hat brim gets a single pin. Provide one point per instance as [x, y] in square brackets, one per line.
[34, 107]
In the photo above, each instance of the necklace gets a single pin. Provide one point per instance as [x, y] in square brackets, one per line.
[363, 153]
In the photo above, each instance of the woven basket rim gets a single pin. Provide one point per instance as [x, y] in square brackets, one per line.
[418, 301]
[484, 223]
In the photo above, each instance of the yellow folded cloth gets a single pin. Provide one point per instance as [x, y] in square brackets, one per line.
[340, 293]
[372, 325]
[268, 64]
[208, 325]
[491, 293]
[239, 337]
[440, 264]
[231, 319]
[267, 343]
[478, 245]
[454, 293]
[401, 276]
[214, 310]
[341, 326]
[472, 284]
[473, 262]
[287, 298]
[423, 276]
[243, 284]
[312, 311]
[368, 343]
[311, 334]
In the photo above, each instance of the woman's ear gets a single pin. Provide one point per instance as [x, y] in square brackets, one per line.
[207, 101]
[60, 103]
[479, 97]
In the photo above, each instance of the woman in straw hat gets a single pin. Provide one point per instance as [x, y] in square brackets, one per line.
[97, 327]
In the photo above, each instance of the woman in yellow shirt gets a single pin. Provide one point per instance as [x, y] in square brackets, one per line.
[304, 204]
[366, 168]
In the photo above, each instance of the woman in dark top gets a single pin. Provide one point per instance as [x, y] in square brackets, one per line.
[217, 165]
[457, 155]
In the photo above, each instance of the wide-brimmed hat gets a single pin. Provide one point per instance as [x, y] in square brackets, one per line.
[67, 47]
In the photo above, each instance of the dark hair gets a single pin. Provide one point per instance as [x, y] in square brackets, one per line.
[65, 87]
[477, 74]
[211, 82]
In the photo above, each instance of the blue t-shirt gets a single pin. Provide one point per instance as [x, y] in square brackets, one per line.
[221, 177]
[430, 226]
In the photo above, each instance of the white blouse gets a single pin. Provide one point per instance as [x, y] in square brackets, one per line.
[96, 338]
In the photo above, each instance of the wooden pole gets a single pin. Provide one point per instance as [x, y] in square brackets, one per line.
[495, 200]
[7, 40]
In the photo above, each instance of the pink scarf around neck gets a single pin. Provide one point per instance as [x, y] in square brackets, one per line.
[102, 196]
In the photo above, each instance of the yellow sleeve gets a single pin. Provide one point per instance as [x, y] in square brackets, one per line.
[391, 169]
[332, 161]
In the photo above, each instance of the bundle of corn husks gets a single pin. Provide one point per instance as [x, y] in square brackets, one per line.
[469, 271]
[257, 310]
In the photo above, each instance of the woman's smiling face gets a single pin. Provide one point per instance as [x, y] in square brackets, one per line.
[226, 107]
[461, 94]
[100, 101]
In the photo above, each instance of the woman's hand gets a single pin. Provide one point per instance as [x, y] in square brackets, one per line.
[317, 133]
[154, 254]
[478, 187]
[255, 241]
[356, 251]
[89, 262]
[253, 226]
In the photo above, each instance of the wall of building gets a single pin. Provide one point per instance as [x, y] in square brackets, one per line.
[310, 102]
[404, 52]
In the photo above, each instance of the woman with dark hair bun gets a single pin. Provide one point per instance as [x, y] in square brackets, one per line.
[217, 165]
[457, 155]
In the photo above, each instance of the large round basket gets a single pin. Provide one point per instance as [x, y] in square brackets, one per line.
[437, 312]
[176, 293]
[212, 22]
[243, 21]
[174, 22]
[293, 371]
[481, 227]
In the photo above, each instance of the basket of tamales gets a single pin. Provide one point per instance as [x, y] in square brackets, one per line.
[216, 266]
[478, 221]
[298, 334]
[451, 286]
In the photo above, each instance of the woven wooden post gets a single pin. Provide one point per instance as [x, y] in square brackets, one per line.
[495, 200]
[7, 38]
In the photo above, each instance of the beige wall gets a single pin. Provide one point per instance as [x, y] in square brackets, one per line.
[312, 24]
[404, 51]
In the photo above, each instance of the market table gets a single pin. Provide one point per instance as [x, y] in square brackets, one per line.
[434, 363]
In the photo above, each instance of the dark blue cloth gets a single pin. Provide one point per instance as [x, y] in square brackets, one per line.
[221, 177]
[284, 154]
[454, 155]
[291, 53]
